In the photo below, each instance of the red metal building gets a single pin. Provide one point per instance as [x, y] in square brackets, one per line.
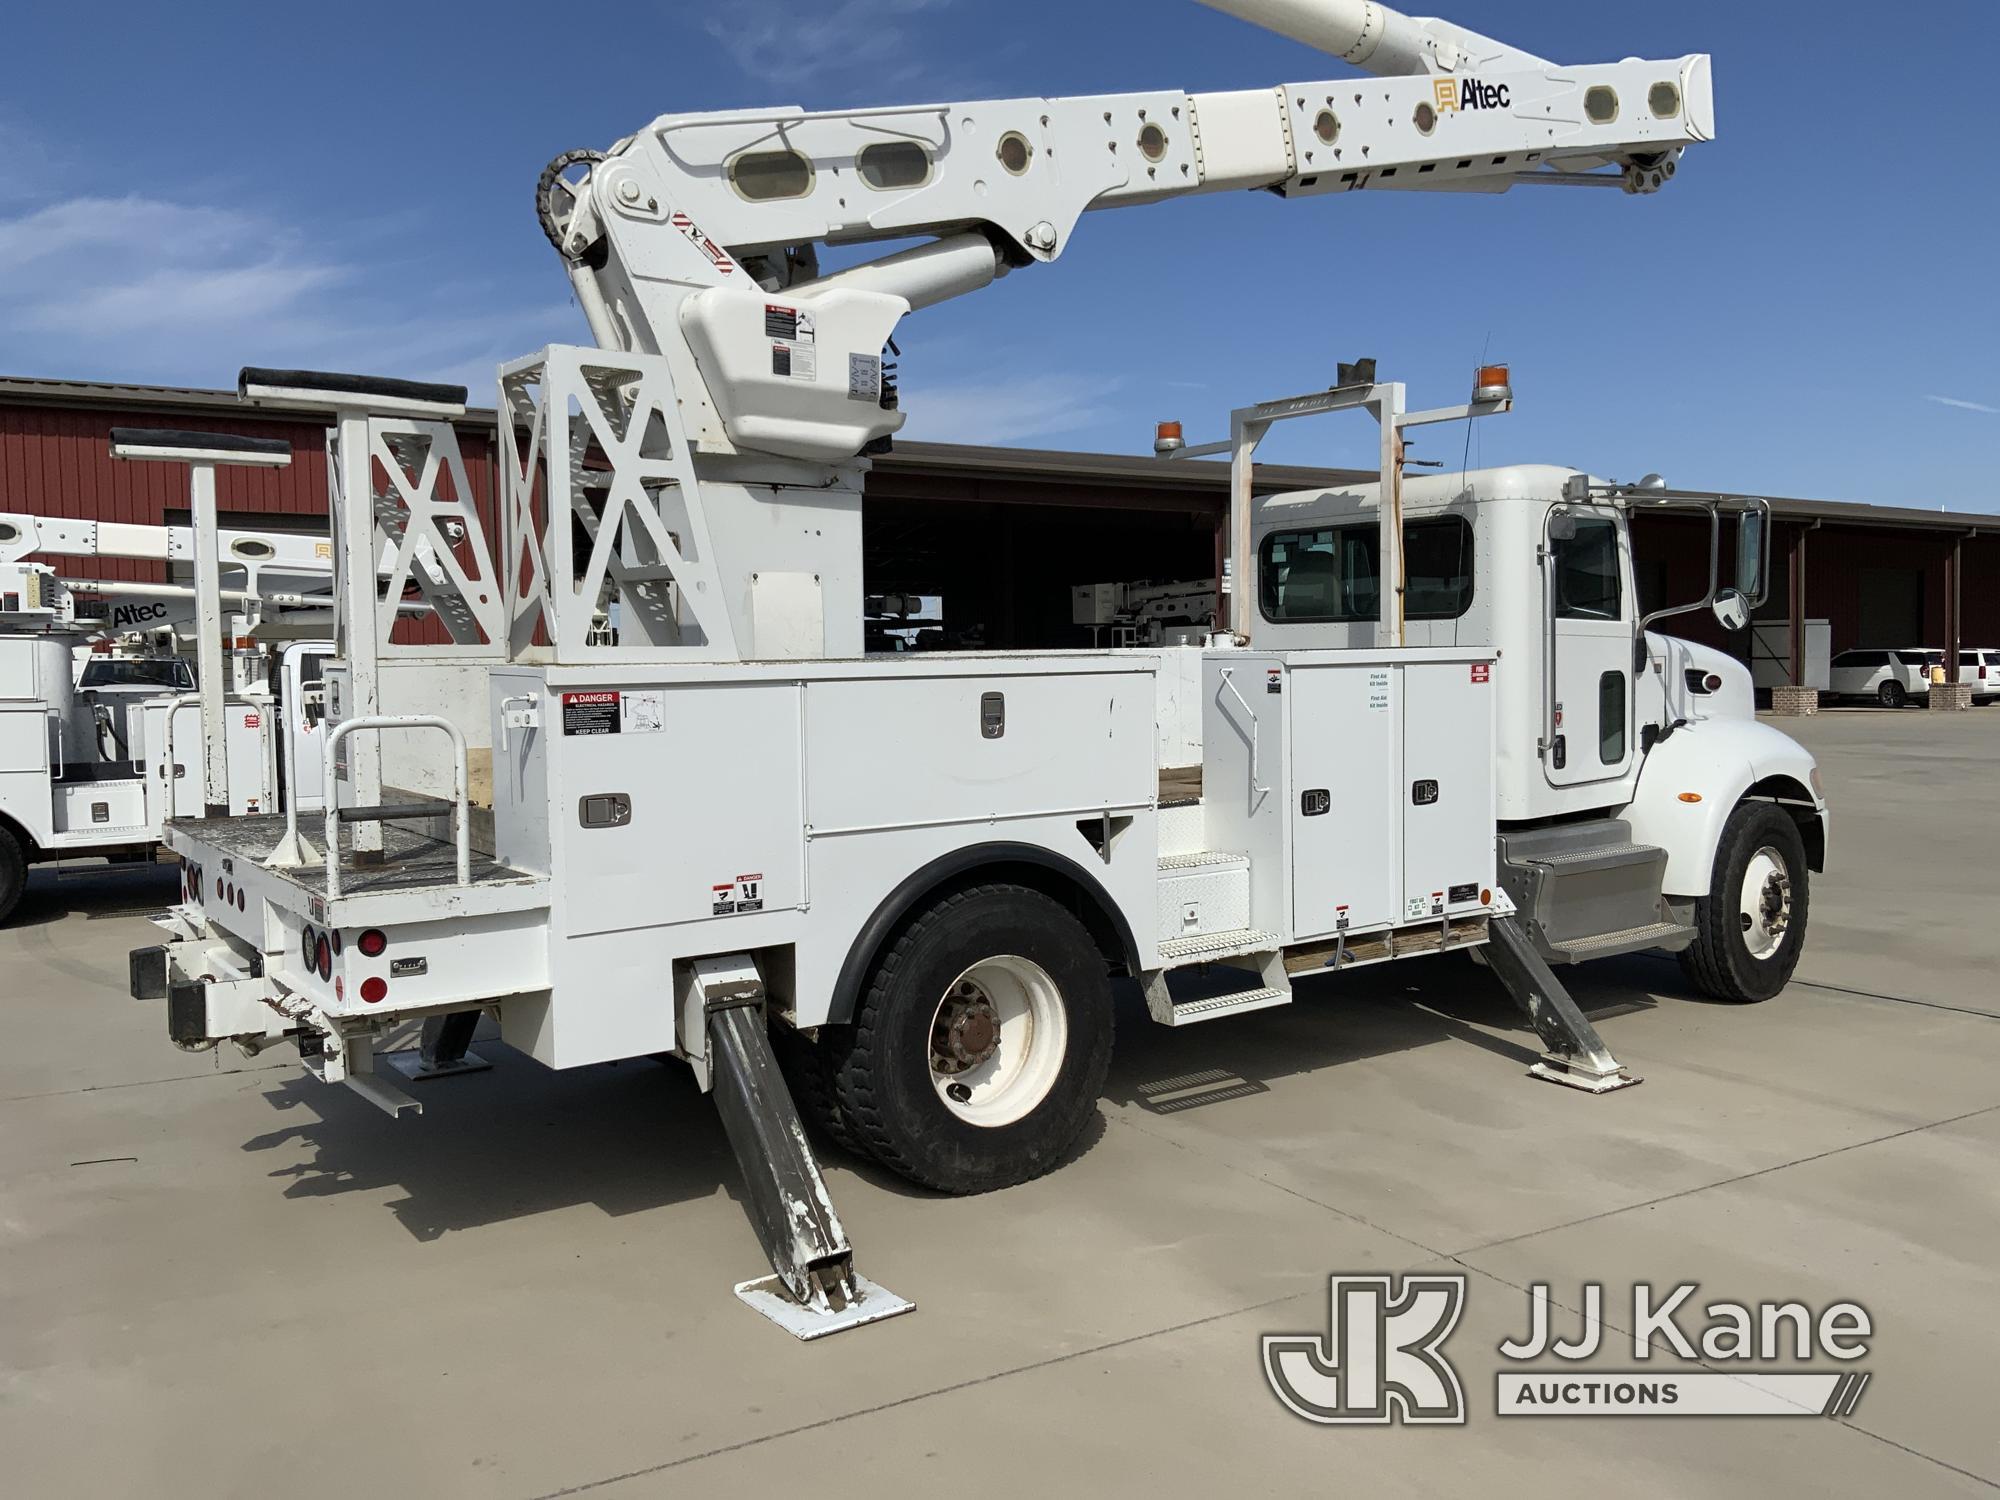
[1002, 534]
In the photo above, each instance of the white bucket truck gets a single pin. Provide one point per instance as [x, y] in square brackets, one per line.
[718, 830]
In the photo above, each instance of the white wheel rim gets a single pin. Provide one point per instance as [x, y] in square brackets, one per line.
[1005, 1076]
[1764, 903]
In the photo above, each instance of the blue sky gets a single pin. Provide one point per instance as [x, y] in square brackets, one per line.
[1809, 310]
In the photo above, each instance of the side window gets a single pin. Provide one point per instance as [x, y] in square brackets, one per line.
[1437, 562]
[1611, 718]
[1331, 576]
[1587, 572]
[1319, 576]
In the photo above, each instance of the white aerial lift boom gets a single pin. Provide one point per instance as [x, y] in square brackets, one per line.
[711, 813]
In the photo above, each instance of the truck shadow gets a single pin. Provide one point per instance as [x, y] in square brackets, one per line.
[95, 892]
[519, 1140]
[523, 1139]
[630, 1137]
[1334, 1021]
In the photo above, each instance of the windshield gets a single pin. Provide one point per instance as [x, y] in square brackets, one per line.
[169, 672]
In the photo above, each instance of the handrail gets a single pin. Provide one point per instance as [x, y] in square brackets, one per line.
[175, 703]
[461, 808]
[1257, 788]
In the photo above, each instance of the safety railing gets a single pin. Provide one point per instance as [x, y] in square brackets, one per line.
[336, 815]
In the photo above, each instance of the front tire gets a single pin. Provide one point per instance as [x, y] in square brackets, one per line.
[1751, 926]
[981, 1042]
[13, 872]
[1892, 695]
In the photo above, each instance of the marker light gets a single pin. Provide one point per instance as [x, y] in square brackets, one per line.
[373, 943]
[1493, 383]
[1690, 796]
[1168, 439]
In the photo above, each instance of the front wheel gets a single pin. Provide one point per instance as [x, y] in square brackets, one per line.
[1892, 695]
[981, 1043]
[1751, 926]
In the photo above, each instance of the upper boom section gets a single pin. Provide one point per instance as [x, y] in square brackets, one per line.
[672, 237]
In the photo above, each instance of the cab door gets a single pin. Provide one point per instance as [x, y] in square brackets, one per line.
[1588, 617]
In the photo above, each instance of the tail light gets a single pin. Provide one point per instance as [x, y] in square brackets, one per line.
[323, 957]
[374, 989]
[373, 943]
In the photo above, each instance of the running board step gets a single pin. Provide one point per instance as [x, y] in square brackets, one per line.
[1213, 947]
[1191, 1012]
[1672, 936]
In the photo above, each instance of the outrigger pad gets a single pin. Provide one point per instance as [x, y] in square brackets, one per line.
[308, 382]
[871, 1304]
[213, 442]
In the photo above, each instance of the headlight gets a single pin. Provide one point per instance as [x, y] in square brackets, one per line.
[1818, 786]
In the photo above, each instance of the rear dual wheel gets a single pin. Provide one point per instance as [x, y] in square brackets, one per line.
[981, 1043]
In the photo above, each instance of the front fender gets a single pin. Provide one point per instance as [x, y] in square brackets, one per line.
[1719, 762]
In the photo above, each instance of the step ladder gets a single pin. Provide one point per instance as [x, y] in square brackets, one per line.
[1237, 948]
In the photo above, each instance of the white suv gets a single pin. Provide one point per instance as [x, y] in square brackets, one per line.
[1980, 666]
[1892, 678]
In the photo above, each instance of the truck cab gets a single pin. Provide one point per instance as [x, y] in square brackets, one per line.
[1622, 753]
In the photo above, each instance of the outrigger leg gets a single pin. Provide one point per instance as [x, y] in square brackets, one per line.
[815, 1289]
[445, 1049]
[1577, 1056]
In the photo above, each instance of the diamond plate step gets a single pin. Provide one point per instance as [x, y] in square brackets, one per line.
[1670, 935]
[1202, 859]
[1208, 947]
[1192, 1012]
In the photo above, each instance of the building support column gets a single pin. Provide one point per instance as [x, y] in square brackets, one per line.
[1951, 695]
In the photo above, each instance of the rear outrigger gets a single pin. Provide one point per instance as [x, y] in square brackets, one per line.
[685, 814]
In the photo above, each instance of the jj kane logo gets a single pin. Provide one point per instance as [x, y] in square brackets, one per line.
[1458, 94]
[1382, 1360]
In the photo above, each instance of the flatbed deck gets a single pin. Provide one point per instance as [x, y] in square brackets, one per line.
[410, 860]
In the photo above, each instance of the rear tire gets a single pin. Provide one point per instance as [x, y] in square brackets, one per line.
[808, 1068]
[1892, 695]
[981, 1043]
[13, 872]
[1751, 927]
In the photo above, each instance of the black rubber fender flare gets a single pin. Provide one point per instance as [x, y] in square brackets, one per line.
[984, 860]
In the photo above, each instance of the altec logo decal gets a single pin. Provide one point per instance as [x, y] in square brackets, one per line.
[1470, 93]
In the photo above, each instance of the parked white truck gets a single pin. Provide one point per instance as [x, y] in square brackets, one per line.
[94, 759]
[714, 824]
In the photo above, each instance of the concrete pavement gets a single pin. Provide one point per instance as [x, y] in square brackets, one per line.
[219, 1278]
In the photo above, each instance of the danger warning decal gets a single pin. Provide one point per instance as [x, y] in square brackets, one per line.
[735, 897]
[590, 713]
[794, 350]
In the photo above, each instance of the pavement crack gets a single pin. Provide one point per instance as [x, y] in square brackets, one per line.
[144, 1083]
[911, 1400]
[1705, 1187]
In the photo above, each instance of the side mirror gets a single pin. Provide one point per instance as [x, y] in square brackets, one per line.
[1732, 610]
[1562, 526]
[1750, 554]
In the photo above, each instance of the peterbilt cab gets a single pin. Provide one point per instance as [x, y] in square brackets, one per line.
[1641, 805]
